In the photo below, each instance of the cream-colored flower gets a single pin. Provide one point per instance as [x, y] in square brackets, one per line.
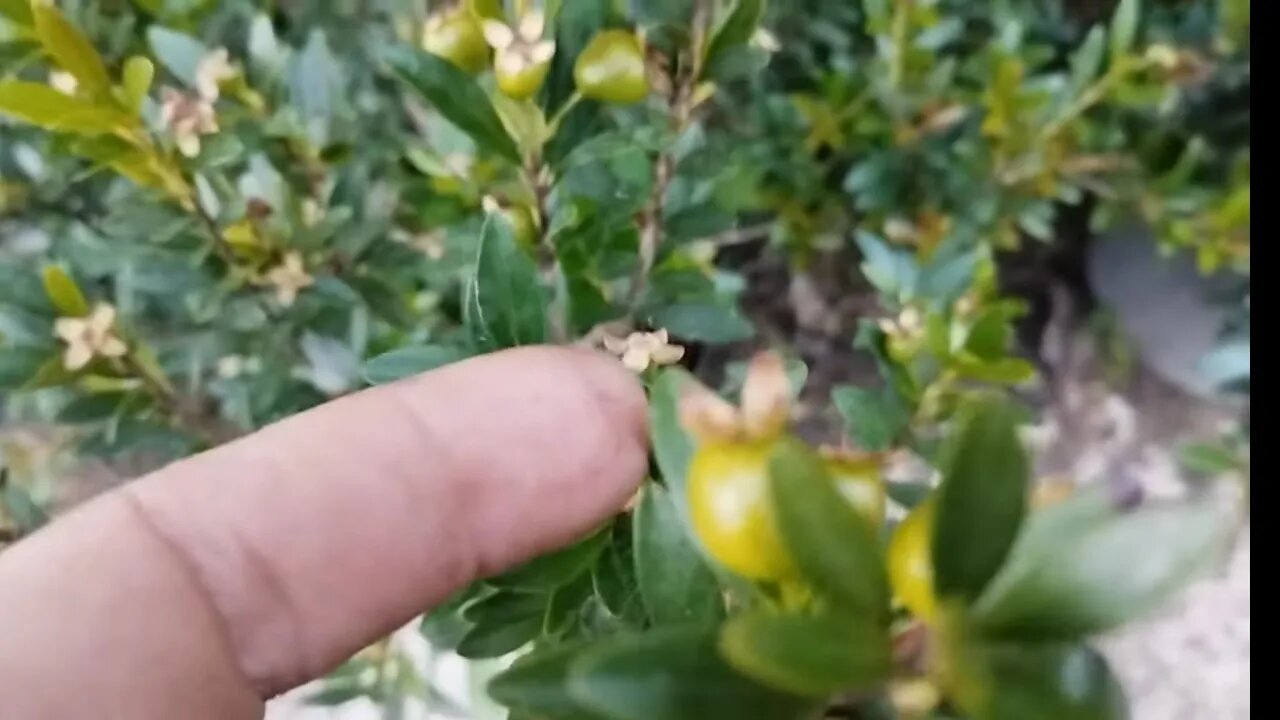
[430, 244]
[230, 366]
[908, 324]
[765, 40]
[187, 117]
[63, 82]
[517, 49]
[763, 412]
[289, 278]
[640, 350]
[212, 70]
[89, 337]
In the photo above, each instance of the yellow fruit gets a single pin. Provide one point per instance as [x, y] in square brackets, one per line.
[911, 563]
[611, 68]
[860, 483]
[728, 493]
[521, 81]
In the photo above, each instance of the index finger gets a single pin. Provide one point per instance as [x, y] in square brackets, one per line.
[288, 550]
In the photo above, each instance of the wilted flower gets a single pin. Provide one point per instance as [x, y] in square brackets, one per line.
[187, 117]
[89, 337]
[640, 350]
[763, 411]
[63, 82]
[289, 278]
[521, 48]
[212, 70]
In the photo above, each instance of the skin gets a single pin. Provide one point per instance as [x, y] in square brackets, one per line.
[227, 578]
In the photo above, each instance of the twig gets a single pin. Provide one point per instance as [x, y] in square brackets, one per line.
[680, 110]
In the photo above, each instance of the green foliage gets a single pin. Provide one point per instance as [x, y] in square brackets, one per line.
[335, 207]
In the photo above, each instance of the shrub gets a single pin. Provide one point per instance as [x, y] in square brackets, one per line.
[216, 215]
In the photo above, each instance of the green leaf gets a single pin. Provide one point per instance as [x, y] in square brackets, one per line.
[674, 581]
[874, 419]
[834, 548]
[456, 96]
[63, 292]
[1051, 682]
[51, 373]
[892, 271]
[505, 303]
[737, 28]
[714, 323]
[672, 447]
[668, 12]
[178, 52]
[503, 623]
[89, 409]
[19, 11]
[808, 654]
[406, 361]
[44, 107]
[981, 500]
[1083, 566]
[138, 74]
[444, 626]
[1086, 62]
[71, 50]
[537, 684]
[17, 365]
[1124, 28]
[555, 569]
[988, 337]
[673, 674]
[614, 576]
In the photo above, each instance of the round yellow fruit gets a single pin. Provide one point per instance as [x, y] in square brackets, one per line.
[728, 493]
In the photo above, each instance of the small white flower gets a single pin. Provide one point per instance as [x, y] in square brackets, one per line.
[231, 366]
[765, 40]
[521, 47]
[289, 278]
[63, 82]
[89, 337]
[640, 350]
[212, 70]
[187, 117]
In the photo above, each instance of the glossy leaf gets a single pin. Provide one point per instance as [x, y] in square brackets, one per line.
[672, 447]
[834, 548]
[41, 105]
[457, 96]
[406, 361]
[537, 684]
[675, 582]
[710, 322]
[71, 50]
[808, 654]
[981, 500]
[874, 419]
[550, 571]
[503, 623]
[1086, 61]
[673, 674]
[138, 74]
[63, 292]
[178, 52]
[18, 11]
[505, 304]
[1051, 682]
[1084, 566]
[1124, 27]
[737, 28]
